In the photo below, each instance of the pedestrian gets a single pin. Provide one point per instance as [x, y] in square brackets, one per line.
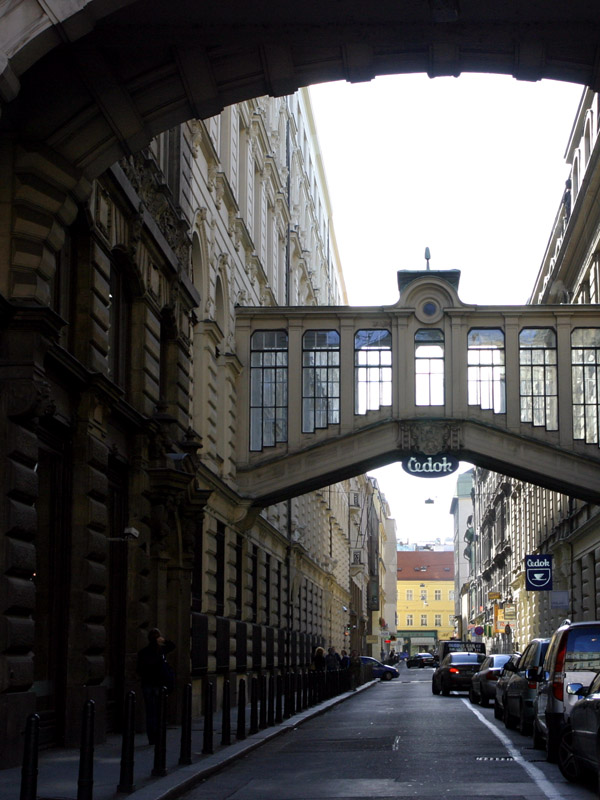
[332, 660]
[155, 672]
[318, 660]
[345, 660]
[355, 669]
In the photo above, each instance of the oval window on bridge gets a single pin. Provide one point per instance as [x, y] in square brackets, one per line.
[585, 361]
[372, 370]
[538, 381]
[429, 367]
[486, 371]
[320, 380]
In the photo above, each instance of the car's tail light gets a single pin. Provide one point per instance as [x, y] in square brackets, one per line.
[454, 670]
[558, 677]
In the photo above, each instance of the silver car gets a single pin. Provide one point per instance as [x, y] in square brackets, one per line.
[573, 657]
[520, 688]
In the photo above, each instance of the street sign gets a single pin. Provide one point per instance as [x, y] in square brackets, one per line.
[494, 595]
[538, 573]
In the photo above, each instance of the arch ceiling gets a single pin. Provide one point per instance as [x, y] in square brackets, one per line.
[97, 79]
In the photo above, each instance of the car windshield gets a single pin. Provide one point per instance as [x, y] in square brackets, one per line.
[583, 650]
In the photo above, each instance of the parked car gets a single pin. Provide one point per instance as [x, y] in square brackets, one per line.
[382, 671]
[455, 672]
[483, 682]
[420, 660]
[573, 657]
[578, 751]
[502, 682]
[521, 686]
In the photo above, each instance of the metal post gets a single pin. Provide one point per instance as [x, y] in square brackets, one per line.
[126, 783]
[226, 716]
[29, 769]
[207, 747]
[241, 716]
[160, 747]
[253, 705]
[185, 750]
[85, 782]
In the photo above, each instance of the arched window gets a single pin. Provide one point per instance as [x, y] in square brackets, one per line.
[486, 378]
[429, 367]
[372, 370]
[320, 380]
[268, 388]
[538, 377]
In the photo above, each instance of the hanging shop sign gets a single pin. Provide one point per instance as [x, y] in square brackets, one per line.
[538, 573]
[430, 466]
[510, 611]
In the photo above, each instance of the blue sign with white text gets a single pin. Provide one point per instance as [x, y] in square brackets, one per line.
[538, 573]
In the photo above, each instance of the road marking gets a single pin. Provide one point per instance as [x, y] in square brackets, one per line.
[396, 745]
[534, 773]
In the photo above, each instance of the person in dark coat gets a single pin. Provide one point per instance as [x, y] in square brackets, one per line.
[154, 672]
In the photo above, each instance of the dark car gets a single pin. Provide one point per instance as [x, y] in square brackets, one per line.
[483, 682]
[420, 660]
[521, 686]
[502, 683]
[578, 751]
[455, 672]
[382, 671]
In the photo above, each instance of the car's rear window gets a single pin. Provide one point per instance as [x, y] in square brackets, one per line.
[583, 650]
[463, 658]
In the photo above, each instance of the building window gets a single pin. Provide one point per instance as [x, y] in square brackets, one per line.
[585, 360]
[438, 621]
[429, 367]
[538, 377]
[119, 331]
[409, 620]
[372, 370]
[451, 594]
[437, 595]
[451, 619]
[320, 380]
[424, 594]
[486, 375]
[268, 388]
[409, 594]
[423, 620]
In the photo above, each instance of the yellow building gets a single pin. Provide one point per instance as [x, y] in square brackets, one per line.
[425, 605]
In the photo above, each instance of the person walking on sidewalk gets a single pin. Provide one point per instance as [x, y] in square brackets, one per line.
[155, 672]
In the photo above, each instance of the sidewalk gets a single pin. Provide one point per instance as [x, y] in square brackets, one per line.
[58, 768]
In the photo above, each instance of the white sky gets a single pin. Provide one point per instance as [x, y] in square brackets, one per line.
[472, 168]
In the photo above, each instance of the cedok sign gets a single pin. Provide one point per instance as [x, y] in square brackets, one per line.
[538, 573]
[430, 466]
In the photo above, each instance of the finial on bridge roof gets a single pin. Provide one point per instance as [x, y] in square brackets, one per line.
[427, 256]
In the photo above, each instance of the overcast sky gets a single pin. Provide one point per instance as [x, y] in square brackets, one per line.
[472, 168]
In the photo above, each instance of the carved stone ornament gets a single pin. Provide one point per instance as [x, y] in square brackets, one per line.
[28, 399]
[429, 438]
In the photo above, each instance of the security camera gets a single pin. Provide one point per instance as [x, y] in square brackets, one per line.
[131, 533]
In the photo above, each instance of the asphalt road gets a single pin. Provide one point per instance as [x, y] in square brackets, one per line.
[396, 740]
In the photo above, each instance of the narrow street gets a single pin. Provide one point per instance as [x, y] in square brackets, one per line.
[396, 740]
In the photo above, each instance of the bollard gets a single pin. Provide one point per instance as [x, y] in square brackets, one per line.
[207, 746]
[85, 781]
[278, 698]
[262, 724]
[241, 716]
[160, 747]
[126, 783]
[185, 749]
[226, 716]
[271, 701]
[29, 769]
[253, 705]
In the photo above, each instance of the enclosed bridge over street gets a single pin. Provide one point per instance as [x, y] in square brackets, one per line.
[327, 392]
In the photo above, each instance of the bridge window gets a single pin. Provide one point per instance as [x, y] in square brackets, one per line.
[538, 377]
[268, 388]
[320, 380]
[486, 371]
[585, 360]
[429, 367]
[372, 370]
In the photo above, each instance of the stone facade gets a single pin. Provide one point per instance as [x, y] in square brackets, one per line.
[119, 391]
